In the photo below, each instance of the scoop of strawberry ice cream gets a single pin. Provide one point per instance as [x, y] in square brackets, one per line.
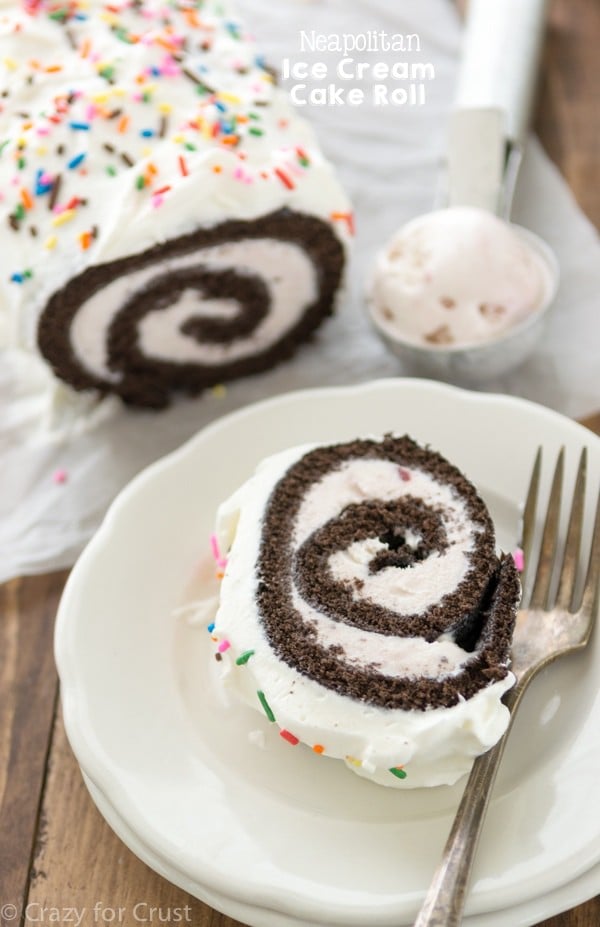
[458, 276]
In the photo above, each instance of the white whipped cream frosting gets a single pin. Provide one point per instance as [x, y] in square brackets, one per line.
[64, 83]
[435, 746]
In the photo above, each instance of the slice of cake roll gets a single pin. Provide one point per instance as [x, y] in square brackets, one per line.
[364, 609]
[169, 222]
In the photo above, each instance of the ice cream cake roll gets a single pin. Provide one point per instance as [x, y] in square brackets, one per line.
[169, 221]
[364, 609]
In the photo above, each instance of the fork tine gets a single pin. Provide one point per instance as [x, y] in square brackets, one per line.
[543, 576]
[528, 526]
[568, 573]
[589, 602]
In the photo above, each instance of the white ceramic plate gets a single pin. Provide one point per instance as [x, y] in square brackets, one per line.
[277, 836]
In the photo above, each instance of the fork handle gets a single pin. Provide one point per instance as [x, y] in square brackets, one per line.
[445, 899]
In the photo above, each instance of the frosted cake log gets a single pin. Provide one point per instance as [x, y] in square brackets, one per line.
[364, 609]
[169, 221]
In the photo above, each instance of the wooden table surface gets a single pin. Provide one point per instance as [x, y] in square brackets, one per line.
[56, 852]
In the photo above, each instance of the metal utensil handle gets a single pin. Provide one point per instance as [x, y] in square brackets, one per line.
[445, 899]
[500, 57]
[489, 119]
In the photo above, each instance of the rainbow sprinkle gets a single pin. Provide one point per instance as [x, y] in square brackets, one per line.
[347, 217]
[285, 179]
[398, 771]
[219, 559]
[266, 707]
[21, 276]
[291, 738]
[76, 161]
[519, 559]
[194, 87]
[244, 657]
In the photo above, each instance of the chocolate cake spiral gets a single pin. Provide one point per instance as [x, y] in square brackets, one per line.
[364, 580]
[201, 309]
[417, 562]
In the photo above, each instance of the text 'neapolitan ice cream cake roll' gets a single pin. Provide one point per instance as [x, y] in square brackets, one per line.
[169, 222]
[364, 609]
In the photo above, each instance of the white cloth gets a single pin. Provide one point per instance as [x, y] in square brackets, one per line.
[388, 159]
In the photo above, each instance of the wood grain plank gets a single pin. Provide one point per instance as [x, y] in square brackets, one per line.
[28, 694]
[586, 915]
[79, 862]
[567, 106]
[566, 111]
[592, 422]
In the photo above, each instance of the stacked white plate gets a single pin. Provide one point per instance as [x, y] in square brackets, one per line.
[273, 835]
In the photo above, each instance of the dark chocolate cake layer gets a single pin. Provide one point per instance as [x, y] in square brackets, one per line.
[219, 303]
[354, 570]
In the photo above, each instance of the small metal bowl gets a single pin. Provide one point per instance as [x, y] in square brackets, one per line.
[473, 365]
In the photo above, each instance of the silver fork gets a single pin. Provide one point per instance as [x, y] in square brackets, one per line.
[548, 626]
